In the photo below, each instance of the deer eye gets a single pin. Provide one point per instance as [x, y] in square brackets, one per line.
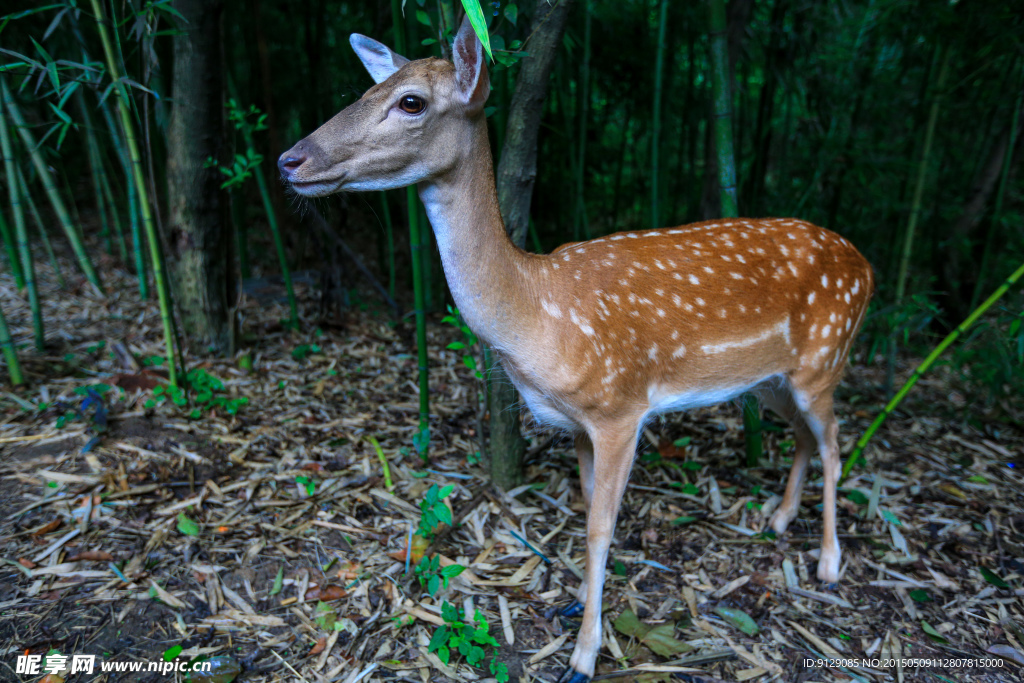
[411, 104]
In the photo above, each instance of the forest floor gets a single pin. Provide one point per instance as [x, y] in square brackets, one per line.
[272, 540]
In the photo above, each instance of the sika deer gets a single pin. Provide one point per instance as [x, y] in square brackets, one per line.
[601, 335]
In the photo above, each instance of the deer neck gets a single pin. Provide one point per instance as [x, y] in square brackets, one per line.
[489, 277]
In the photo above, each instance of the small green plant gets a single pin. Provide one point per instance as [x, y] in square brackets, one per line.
[207, 393]
[239, 171]
[432, 576]
[468, 343]
[469, 640]
[433, 511]
[303, 351]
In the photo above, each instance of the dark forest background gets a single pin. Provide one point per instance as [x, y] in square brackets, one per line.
[896, 123]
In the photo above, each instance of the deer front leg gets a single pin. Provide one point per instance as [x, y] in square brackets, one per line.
[613, 451]
[585, 457]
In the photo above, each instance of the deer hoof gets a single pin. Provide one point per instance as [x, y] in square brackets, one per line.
[570, 675]
[574, 609]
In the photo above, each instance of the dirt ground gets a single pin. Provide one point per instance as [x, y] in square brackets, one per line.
[274, 542]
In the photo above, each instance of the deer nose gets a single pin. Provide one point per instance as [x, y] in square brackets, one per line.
[289, 162]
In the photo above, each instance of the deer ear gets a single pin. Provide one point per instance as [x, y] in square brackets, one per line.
[470, 70]
[379, 59]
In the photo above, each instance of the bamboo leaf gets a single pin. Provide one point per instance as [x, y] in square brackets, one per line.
[479, 24]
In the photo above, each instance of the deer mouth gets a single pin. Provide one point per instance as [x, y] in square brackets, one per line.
[317, 188]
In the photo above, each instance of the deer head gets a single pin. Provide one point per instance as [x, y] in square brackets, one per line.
[406, 129]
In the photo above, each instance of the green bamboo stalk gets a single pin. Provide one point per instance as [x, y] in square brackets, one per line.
[163, 293]
[581, 205]
[389, 229]
[21, 231]
[115, 217]
[997, 211]
[422, 440]
[241, 234]
[51, 190]
[11, 247]
[96, 171]
[10, 353]
[659, 70]
[34, 210]
[727, 186]
[922, 174]
[926, 364]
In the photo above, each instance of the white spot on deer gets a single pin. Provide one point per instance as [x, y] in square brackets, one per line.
[653, 353]
[846, 297]
[632, 235]
[793, 269]
[832, 317]
[709, 270]
[566, 257]
[736, 276]
[700, 302]
[810, 298]
[618, 237]
[615, 298]
[577, 276]
[694, 280]
[688, 308]
[726, 258]
[790, 235]
[826, 331]
[849, 322]
[839, 282]
[659, 264]
[551, 308]
[810, 333]
[675, 335]
[581, 322]
[671, 263]
[722, 314]
[555, 266]
[780, 329]
[856, 287]
[624, 283]
[677, 300]
[661, 312]
[677, 276]
[784, 250]
[739, 257]
[679, 352]
[743, 309]
[580, 250]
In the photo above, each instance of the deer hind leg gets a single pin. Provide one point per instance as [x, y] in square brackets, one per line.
[585, 456]
[780, 400]
[817, 413]
[613, 450]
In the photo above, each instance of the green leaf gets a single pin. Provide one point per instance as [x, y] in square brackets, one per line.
[691, 489]
[628, 624]
[681, 442]
[278, 581]
[993, 578]
[738, 619]
[685, 519]
[479, 24]
[433, 583]
[661, 640]
[857, 497]
[439, 638]
[920, 595]
[187, 526]
[692, 466]
[932, 633]
[456, 346]
[443, 654]
[891, 518]
[446, 491]
[619, 568]
[977, 479]
[423, 17]
[511, 13]
[452, 570]
[444, 515]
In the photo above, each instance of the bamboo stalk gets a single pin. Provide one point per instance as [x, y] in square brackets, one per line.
[659, 71]
[34, 210]
[926, 364]
[727, 187]
[21, 231]
[10, 353]
[96, 171]
[51, 190]
[11, 247]
[159, 277]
